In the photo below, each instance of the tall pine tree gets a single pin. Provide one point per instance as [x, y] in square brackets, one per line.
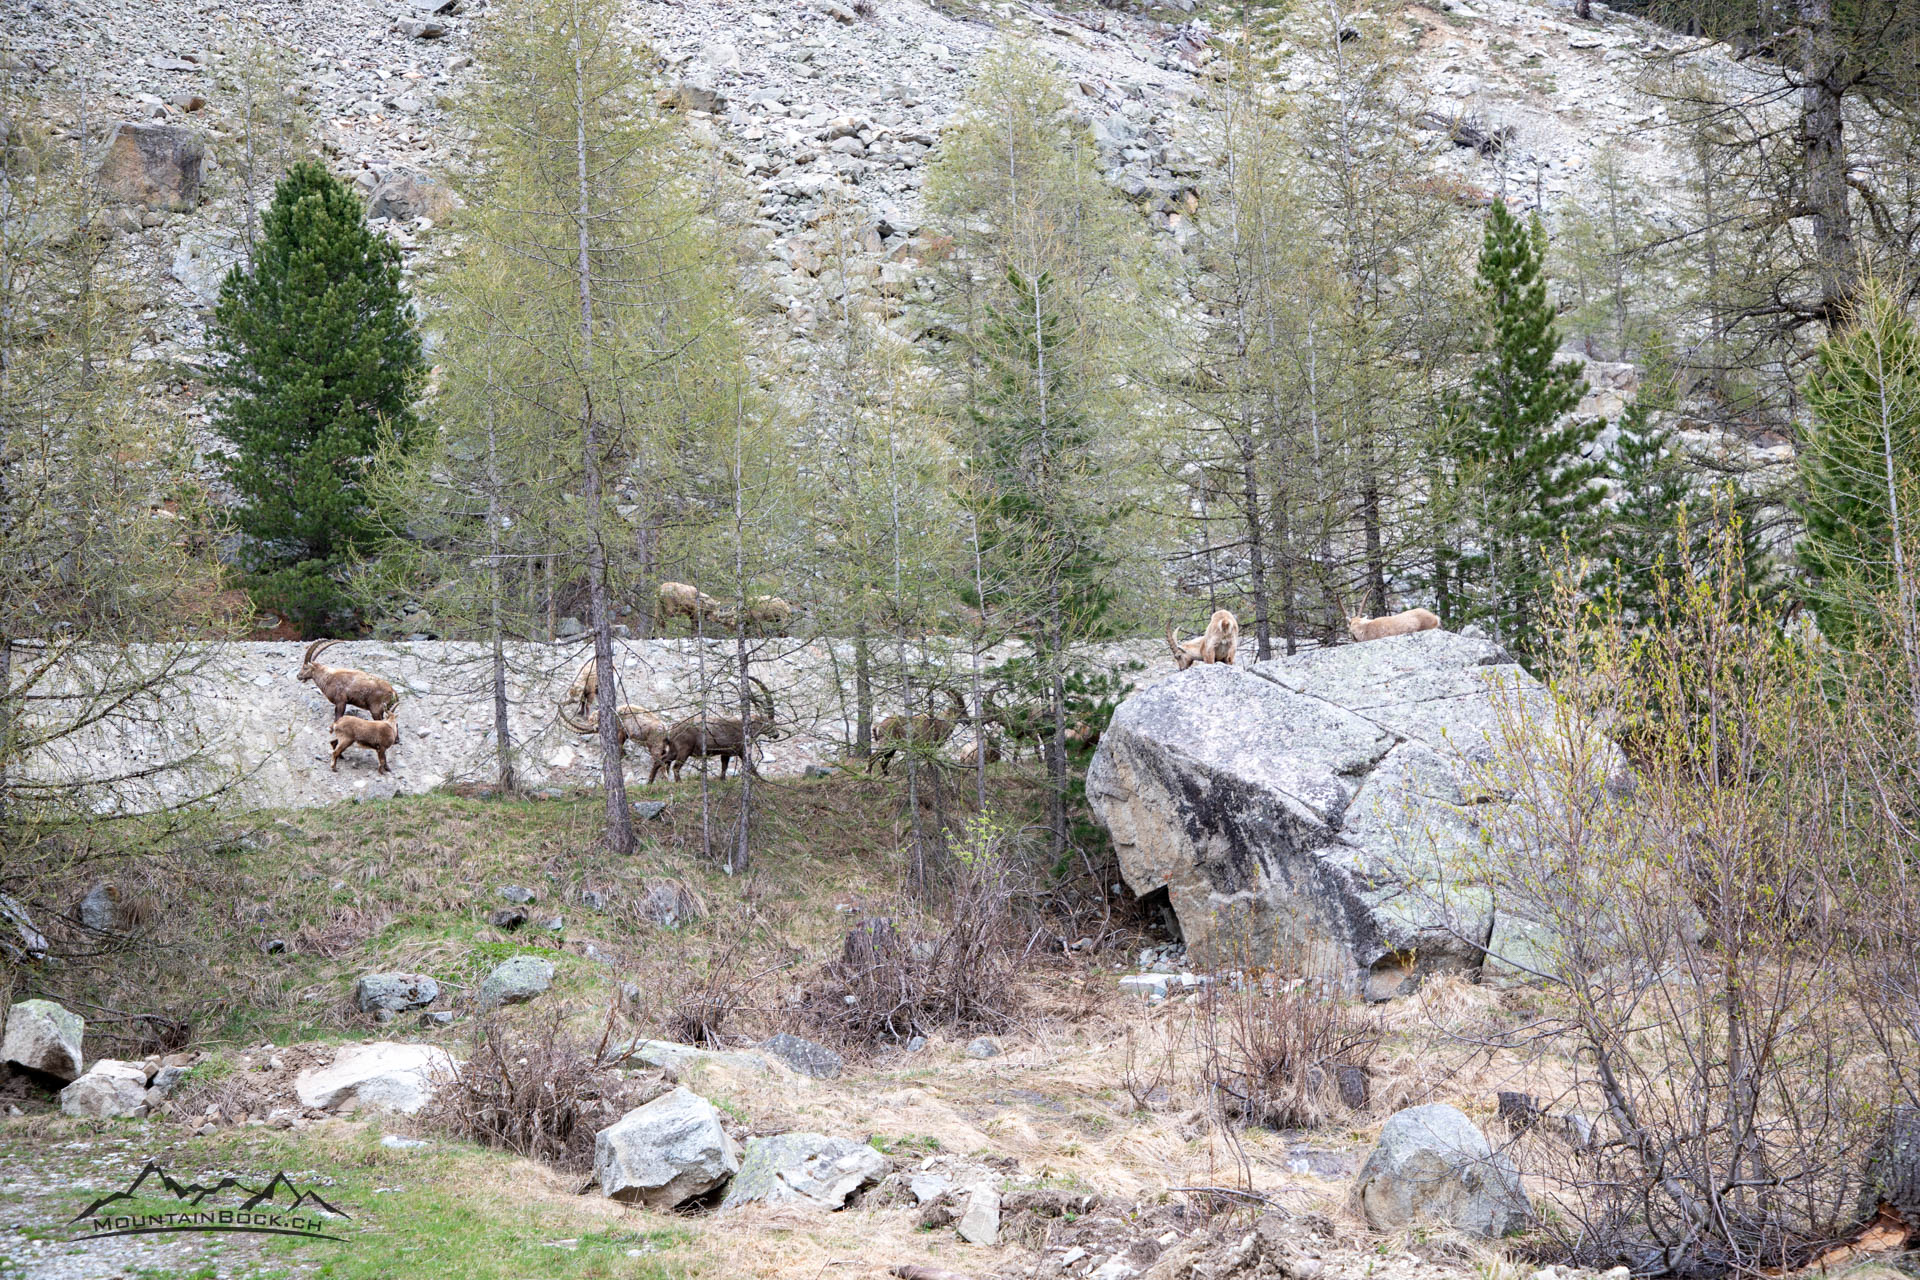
[319, 354]
[1520, 488]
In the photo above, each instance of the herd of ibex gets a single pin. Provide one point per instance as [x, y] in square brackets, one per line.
[704, 737]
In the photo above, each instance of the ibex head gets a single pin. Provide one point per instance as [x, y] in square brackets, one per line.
[307, 664]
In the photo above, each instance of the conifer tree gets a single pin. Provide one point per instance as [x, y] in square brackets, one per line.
[1860, 473]
[1521, 491]
[1643, 528]
[319, 355]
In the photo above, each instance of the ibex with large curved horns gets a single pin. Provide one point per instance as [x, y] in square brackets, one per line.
[1220, 643]
[634, 724]
[923, 732]
[346, 686]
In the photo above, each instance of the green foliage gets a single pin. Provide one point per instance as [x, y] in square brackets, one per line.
[319, 354]
[1520, 486]
[1860, 468]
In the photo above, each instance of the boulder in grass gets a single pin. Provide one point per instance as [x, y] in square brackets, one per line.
[515, 981]
[394, 992]
[804, 1056]
[808, 1169]
[1433, 1167]
[381, 1076]
[43, 1038]
[666, 1153]
[109, 1090]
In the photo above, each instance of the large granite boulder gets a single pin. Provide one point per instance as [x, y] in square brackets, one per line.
[44, 1038]
[379, 1075]
[156, 165]
[665, 1153]
[110, 1089]
[1316, 811]
[808, 1169]
[1433, 1167]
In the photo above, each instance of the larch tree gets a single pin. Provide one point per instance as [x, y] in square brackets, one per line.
[1044, 260]
[614, 303]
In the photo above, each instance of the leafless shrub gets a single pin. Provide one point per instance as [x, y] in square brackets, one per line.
[1283, 1053]
[892, 982]
[540, 1091]
[1699, 933]
[706, 1007]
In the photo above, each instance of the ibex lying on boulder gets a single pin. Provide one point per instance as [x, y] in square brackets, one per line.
[924, 732]
[677, 599]
[378, 736]
[634, 724]
[1219, 644]
[1394, 624]
[727, 737]
[344, 686]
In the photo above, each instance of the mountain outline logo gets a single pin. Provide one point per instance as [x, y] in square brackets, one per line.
[257, 1213]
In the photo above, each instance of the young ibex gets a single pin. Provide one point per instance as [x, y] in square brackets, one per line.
[727, 737]
[344, 686]
[378, 736]
[585, 687]
[635, 724]
[1393, 624]
[911, 732]
[987, 747]
[1220, 643]
[677, 599]
[768, 614]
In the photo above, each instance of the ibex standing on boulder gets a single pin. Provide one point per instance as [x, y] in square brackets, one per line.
[1220, 643]
[346, 687]
[926, 731]
[1393, 624]
[378, 736]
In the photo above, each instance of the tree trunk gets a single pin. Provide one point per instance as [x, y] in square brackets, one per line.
[1256, 553]
[6, 718]
[741, 856]
[496, 588]
[862, 692]
[1822, 126]
[612, 768]
[1371, 520]
[1057, 745]
[649, 552]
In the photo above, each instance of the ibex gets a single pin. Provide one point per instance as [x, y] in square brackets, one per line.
[926, 731]
[769, 614]
[987, 747]
[378, 736]
[727, 737]
[1393, 624]
[585, 687]
[1220, 643]
[677, 599]
[634, 724]
[344, 686]
[1021, 723]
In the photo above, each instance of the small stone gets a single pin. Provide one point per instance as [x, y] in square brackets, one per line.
[984, 1047]
[515, 981]
[508, 918]
[518, 893]
[648, 810]
[420, 28]
[394, 992]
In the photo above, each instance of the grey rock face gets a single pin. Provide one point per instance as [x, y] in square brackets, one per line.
[395, 992]
[804, 1056]
[156, 165]
[804, 1168]
[407, 194]
[1433, 1166]
[515, 981]
[109, 1089]
[42, 1036]
[665, 1153]
[1313, 810]
[100, 909]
